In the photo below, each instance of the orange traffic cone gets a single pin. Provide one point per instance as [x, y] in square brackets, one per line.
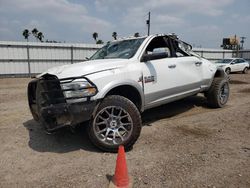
[121, 178]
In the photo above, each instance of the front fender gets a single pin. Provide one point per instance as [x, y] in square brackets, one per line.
[113, 84]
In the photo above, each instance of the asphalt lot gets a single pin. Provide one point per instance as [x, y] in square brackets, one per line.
[182, 144]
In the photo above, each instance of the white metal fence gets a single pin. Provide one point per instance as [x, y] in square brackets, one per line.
[29, 58]
[216, 54]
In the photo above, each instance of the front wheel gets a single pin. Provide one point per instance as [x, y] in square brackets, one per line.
[117, 121]
[218, 94]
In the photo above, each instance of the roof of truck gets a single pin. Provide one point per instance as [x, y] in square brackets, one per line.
[145, 36]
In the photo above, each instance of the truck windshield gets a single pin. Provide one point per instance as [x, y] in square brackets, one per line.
[119, 49]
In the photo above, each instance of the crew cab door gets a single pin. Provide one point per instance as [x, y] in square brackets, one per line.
[168, 75]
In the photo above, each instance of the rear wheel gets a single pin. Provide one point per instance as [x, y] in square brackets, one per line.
[116, 122]
[228, 70]
[218, 93]
[245, 70]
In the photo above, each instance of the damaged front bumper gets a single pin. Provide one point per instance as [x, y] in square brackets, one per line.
[57, 116]
[49, 105]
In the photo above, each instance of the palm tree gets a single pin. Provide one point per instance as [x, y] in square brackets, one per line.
[35, 33]
[26, 34]
[95, 35]
[40, 36]
[136, 34]
[114, 35]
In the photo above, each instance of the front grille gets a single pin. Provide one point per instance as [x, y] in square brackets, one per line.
[49, 105]
[50, 92]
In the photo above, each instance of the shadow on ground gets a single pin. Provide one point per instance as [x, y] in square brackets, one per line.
[62, 141]
[172, 109]
[65, 141]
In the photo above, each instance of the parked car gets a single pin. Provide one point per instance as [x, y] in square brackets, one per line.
[233, 65]
[119, 82]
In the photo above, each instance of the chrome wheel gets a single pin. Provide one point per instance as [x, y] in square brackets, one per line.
[113, 125]
[224, 93]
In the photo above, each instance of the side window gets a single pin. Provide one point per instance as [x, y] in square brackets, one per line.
[234, 61]
[163, 47]
[241, 61]
[178, 49]
[158, 46]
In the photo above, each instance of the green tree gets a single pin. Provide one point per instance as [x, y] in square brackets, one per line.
[136, 34]
[114, 35]
[40, 36]
[99, 42]
[26, 34]
[95, 36]
[35, 33]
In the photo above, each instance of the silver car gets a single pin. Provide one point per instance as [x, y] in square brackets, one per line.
[233, 65]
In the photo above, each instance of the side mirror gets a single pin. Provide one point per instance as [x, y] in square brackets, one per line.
[154, 56]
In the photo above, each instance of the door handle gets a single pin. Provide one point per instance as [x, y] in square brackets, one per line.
[172, 66]
[198, 63]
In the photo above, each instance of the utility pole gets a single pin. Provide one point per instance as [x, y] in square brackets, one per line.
[236, 45]
[148, 23]
[242, 41]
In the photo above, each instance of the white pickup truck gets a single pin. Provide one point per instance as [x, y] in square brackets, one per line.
[120, 81]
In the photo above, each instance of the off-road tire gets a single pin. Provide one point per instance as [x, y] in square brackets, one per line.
[131, 109]
[214, 93]
[245, 70]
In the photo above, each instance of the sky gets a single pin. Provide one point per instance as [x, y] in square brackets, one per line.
[200, 23]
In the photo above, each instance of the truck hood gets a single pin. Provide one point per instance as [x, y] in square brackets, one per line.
[85, 68]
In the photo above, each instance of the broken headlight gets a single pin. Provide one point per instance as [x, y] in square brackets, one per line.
[78, 89]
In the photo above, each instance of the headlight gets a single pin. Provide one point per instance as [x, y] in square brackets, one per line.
[78, 89]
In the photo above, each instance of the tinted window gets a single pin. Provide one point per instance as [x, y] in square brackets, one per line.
[241, 61]
[235, 61]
